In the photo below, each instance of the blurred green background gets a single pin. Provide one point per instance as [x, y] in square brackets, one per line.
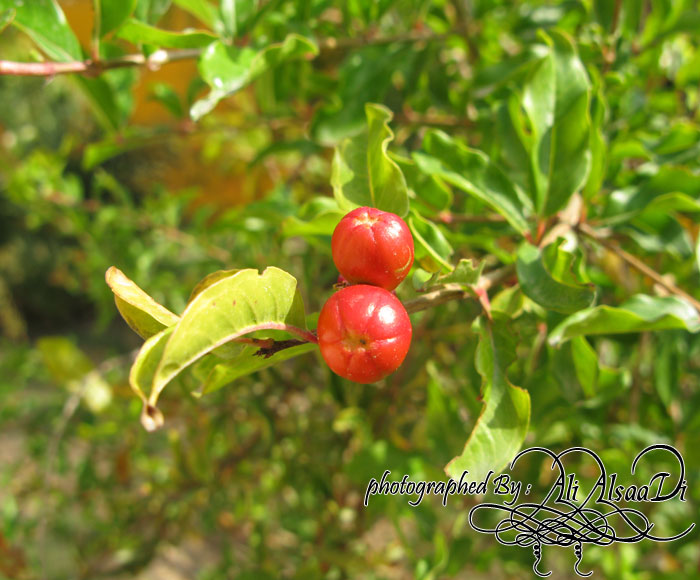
[265, 478]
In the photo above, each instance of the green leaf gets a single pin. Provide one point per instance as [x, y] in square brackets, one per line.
[102, 99]
[687, 21]
[44, 22]
[666, 188]
[430, 243]
[598, 147]
[513, 155]
[576, 365]
[227, 69]
[304, 147]
[208, 280]
[444, 426]
[501, 428]
[247, 14]
[113, 13]
[317, 217]
[139, 33]
[151, 11]
[465, 273]
[363, 174]
[667, 365]
[224, 310]
[70, 367]
[321, 224]
[100, 151]
[427, 188]
[510, 301]
[201, 9]
[422, 279]
[142, 373]
[556, 100]
[539, 284]
[640, 313]
[143, 314]
[363, 77]
[6, 18]
[166, 96]
[244, 362]
[229, 19]
[63, 359]
[473, 172]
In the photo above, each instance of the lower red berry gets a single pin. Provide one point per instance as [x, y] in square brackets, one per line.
[364, 333]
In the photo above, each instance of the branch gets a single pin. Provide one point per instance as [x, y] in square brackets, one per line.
[439, 121]
[432, 299]
[96, 67]
[638, 265]
[450, 292]
[447, 217]
[276, 346]
[93, 67]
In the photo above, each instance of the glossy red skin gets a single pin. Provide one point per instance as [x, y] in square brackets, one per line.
[364, 333]
[371, 246]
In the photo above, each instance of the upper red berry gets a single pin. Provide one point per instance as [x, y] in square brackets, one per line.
[371, 246]
[364, 333]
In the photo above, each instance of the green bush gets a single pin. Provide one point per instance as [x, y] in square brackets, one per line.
[546, 158]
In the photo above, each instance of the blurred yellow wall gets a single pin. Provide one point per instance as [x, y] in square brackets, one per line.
[223, 182]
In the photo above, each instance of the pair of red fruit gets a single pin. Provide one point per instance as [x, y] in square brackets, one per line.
[363, 330]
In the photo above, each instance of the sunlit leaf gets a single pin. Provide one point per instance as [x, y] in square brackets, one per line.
[138, 33]
[151, 11]
[429, 242]
[363, 174]
[143, 314]
[640, 313]
[500, 430]
[113, 13]
[142, 373]
[204, 10]
[321, 224]
[227, 69]
[473, 172]
[6, 18]
[556, 100]
[662, 189]
[427, 188]
[539, 284]
[465, 273]
[46, 24]
[229, 19]
[229, 307]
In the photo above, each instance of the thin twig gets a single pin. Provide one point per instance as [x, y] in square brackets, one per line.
[449, 292]
[432, 299]
[638, 265]
[96, 67]
[93, 67]
[438, 121]
[455, 218]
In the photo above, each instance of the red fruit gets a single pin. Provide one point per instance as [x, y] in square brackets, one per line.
[364, 333]
[371, 246]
